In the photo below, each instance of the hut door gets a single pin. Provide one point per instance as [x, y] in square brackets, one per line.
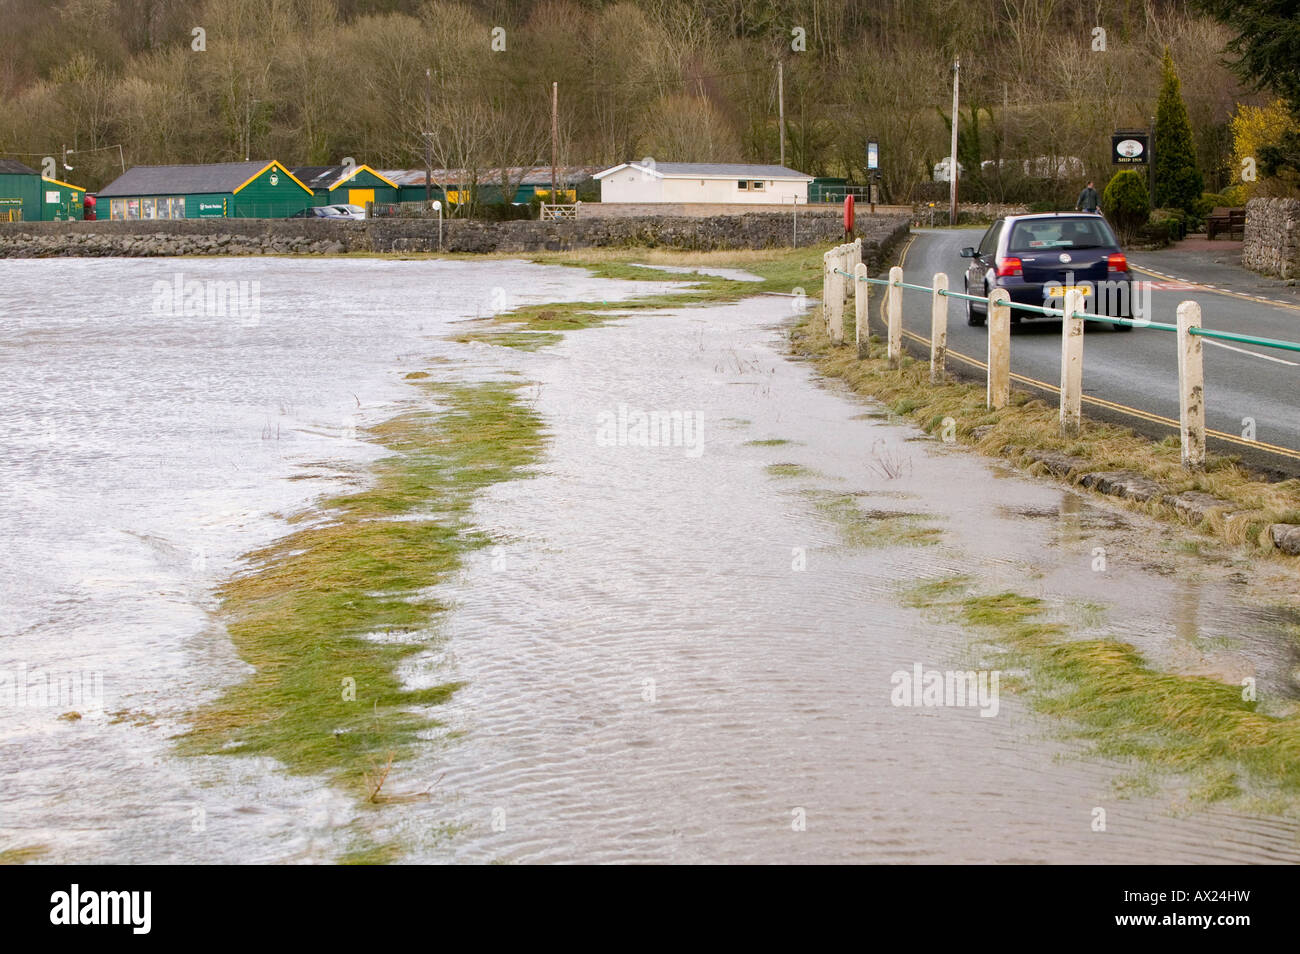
[360, 197]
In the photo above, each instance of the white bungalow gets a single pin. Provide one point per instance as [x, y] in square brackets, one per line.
[711, 182]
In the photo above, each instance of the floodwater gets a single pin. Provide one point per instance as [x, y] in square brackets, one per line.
[670, 653]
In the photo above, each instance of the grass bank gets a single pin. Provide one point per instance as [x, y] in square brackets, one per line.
[325, 615]
[1028, 426]
[1210, 731]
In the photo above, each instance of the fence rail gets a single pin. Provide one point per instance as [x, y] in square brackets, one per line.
[844, 271]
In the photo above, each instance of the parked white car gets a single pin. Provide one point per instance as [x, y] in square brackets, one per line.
[349, 211]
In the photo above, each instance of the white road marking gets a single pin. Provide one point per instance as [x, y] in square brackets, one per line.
[1253, 354]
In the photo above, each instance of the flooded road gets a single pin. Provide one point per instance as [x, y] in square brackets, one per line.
[652, 677]
[671, 653]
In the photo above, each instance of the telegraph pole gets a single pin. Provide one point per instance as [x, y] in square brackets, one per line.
[780, 98]
[555, 137]
[428, 140]
[952, 156]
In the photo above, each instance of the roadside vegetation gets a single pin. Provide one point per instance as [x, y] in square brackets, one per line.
[1028, 424]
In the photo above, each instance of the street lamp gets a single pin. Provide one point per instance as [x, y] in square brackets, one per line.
[437, 207]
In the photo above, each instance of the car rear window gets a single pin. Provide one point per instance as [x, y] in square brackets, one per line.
[1083, 232]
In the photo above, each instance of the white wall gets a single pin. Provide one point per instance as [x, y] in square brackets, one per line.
[630, 185]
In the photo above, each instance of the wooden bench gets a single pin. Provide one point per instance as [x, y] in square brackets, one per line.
[1232, 221]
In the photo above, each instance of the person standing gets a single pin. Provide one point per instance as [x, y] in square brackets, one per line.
[1088, 199]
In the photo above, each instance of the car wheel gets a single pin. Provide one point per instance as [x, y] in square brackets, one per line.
[1122, 327]
[972, 319]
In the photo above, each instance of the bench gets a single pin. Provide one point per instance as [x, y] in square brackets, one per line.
[1232, 221]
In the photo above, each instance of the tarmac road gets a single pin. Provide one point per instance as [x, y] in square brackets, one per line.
[1132, 378]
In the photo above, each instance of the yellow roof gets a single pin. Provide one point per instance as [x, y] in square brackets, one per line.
[359, 169]
[66, 185]
[272, 164]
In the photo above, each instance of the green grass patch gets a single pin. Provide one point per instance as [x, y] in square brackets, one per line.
[521, 340]
[789, 470]
[23, 854]
[1110, 696]
[769, 442]
[324, 696]
[861, 527]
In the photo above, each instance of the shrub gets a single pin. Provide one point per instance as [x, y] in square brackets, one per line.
[1126, 201]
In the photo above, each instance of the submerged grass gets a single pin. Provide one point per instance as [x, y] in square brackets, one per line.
[783, 271]
[1107, 691]
[873, 528]
[325, 615]
[1028, 423]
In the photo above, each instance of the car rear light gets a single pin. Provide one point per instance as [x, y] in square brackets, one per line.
[1008, 267]
[1116, 262]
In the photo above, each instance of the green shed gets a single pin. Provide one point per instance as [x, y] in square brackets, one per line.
[245, 190]
[347, 185]
[20, 192]
[61, 201]
[28, 196]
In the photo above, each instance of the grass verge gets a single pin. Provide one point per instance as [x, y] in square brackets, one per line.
[325, 615]
[1210, 730]
[1028, 423]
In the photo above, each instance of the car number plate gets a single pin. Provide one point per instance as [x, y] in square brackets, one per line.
[1060, 291]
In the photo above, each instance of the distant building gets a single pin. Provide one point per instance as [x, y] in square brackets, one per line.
[28, 196]
[347, 185]
[245, 190]
[533, 181]
[708, 182]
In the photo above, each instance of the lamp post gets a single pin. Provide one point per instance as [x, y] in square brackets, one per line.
[437, 207]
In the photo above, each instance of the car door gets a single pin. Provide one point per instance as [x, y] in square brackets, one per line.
[985, 253]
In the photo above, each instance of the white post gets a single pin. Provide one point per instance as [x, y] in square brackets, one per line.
[894, 311]
[1191, 387]
[851, 259]
[938, 328]
[861, 309]
[836, 326]
[826, 289]
[1072, 364]
[999, 322]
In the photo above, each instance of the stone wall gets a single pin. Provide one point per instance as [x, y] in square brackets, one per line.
[623, 210]
[1272, 241]
[319, 236]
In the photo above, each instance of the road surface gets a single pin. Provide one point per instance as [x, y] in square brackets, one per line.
[1133, 378]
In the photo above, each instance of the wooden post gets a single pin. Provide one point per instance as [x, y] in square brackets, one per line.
[1071, 364]
[1191, 387]
[826, 289]
[938, 328]
[894, 312]
[836, 326]
[861, 309]
[999, 322]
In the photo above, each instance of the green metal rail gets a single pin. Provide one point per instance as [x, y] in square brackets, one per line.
[1088, 316]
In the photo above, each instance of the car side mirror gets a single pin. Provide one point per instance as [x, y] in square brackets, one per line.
[968, 252]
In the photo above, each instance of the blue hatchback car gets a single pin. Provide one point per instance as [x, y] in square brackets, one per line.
[1037, 258]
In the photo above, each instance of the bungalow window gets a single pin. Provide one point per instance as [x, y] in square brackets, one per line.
[743, 185]
[756, 186]
[117, 208]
